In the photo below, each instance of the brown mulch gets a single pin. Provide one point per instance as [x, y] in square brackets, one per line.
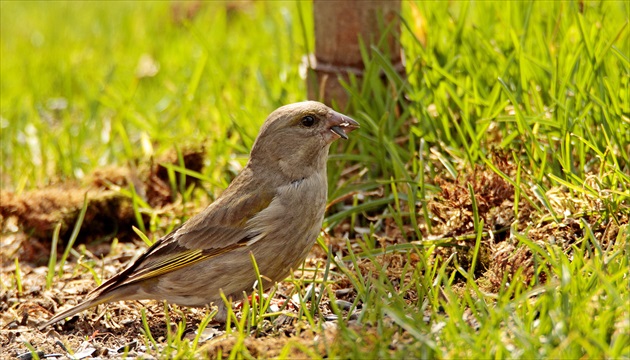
[110, 212]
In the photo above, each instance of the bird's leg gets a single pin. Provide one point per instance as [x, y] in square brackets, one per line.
[221, 315]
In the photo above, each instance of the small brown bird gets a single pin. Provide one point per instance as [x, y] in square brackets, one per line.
[274, 209]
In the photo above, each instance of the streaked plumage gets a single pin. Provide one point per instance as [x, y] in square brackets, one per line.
[274, 209]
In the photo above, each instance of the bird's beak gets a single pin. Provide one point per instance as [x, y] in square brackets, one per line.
[342, 124]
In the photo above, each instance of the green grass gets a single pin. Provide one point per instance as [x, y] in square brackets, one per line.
[543, 83]
[73, 99]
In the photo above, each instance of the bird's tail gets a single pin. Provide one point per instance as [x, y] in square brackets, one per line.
[74, 310]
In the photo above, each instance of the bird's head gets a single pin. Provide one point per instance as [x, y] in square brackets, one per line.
[295, 138]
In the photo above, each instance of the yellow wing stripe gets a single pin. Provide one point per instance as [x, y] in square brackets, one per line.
[179, 261]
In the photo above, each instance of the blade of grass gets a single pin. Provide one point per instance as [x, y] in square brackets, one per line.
[74, 235]
[52, 260]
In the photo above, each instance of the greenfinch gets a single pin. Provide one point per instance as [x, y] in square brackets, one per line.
[273, 209]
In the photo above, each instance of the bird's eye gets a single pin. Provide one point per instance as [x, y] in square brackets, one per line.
[308, 121]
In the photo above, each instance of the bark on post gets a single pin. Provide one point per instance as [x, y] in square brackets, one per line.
[339, 25]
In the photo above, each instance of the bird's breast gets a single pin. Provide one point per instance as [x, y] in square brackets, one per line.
[287, 229]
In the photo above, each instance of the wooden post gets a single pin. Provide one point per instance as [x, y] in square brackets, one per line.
[339, 24]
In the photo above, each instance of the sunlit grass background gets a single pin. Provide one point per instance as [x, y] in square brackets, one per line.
[92, 83]
[87, 84]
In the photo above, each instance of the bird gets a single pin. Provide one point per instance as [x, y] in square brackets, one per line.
[273, 209]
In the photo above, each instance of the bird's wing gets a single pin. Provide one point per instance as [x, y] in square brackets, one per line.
[216, 230]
